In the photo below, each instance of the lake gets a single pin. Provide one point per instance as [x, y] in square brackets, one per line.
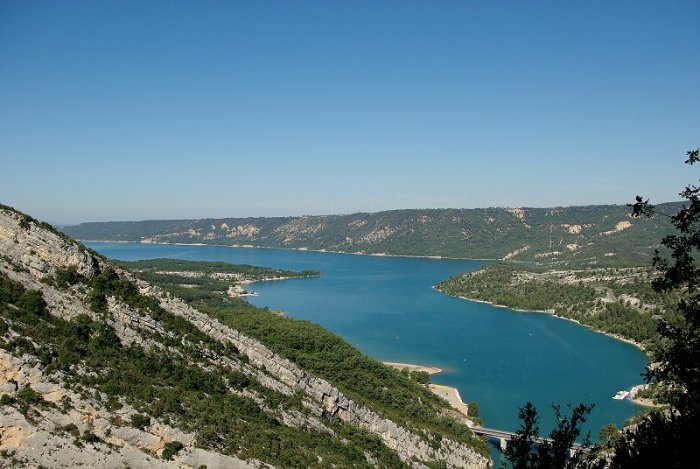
[387, 308]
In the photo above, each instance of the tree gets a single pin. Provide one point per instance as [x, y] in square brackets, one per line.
[32, 301]
[610, 434]
[473, 409]
[520, 451]
[665, 437]
[528, 451]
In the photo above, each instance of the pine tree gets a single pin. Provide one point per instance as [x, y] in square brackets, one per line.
[665, 438]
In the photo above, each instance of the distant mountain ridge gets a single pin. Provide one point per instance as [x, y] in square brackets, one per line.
[583, 235]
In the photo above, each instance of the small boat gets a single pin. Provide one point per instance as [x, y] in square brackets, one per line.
[621, 395]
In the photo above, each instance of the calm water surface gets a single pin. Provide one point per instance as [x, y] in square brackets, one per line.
[386, 306]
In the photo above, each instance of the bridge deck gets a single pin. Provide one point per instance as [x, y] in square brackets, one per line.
[508, 435]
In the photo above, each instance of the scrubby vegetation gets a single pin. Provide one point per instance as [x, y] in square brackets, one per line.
[198, 279]
[171, 382]
[601, 235]
[321, 353]
[175, 383]
[613, 300]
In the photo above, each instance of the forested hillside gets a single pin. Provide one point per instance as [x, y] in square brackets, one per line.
[597, 235]
[617, 301]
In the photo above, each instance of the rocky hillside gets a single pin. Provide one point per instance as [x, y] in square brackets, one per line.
[591, 235]
[100, 368]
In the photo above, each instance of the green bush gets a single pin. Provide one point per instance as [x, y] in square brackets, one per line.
[171, 449]
[66, 276]
[32, 302]
[89, 437]
[71, 429]
[10, 291]
[422, 377]
[140, 421]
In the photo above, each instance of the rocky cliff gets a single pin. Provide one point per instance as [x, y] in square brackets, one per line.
[58, 414]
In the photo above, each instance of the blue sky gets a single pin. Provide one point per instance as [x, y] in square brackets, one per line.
[151, 110]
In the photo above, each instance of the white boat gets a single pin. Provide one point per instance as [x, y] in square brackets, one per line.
[621, 395]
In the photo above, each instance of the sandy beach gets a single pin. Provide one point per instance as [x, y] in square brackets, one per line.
[452, 396]
[431, 370]
[448, 393]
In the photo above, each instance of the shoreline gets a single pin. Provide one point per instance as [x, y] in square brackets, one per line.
[454, 399]
[456, 402]
[451, 395]
[551, 313]
[431, 370]
[642, 401]
[448, 393]
[251, 246]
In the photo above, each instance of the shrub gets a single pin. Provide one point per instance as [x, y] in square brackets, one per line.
[66, 276]
[32, 302]
[171, 449]
[140, 421]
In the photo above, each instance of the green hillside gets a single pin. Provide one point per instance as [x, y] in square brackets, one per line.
[617, 301]
[596, 235]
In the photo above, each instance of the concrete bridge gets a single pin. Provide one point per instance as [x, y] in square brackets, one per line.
[504, 437]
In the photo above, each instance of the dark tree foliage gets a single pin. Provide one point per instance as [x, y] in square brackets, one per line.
[473, 409]
[665, 437]
[171, 449]
[64, 277]
[527, 450]
[520, 451]
[32, 301]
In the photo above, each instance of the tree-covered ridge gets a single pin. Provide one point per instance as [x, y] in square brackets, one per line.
[600, 235]
[193, 280]
[222, 277]
[216, 269]
[618, 301]
[394, 395]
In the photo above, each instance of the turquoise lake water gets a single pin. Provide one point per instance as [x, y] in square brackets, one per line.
[387, 308]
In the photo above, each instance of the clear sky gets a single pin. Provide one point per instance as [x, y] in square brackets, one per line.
[149, 110]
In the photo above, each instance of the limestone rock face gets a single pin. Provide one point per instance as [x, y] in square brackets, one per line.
[43, 440]
[29, 253]
[40, 250]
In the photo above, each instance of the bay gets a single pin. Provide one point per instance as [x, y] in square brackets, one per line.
[387, 308]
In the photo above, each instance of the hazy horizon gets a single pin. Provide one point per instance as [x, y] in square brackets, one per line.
[173, 110]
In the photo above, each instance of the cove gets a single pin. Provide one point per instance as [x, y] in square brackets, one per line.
[386, 307]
